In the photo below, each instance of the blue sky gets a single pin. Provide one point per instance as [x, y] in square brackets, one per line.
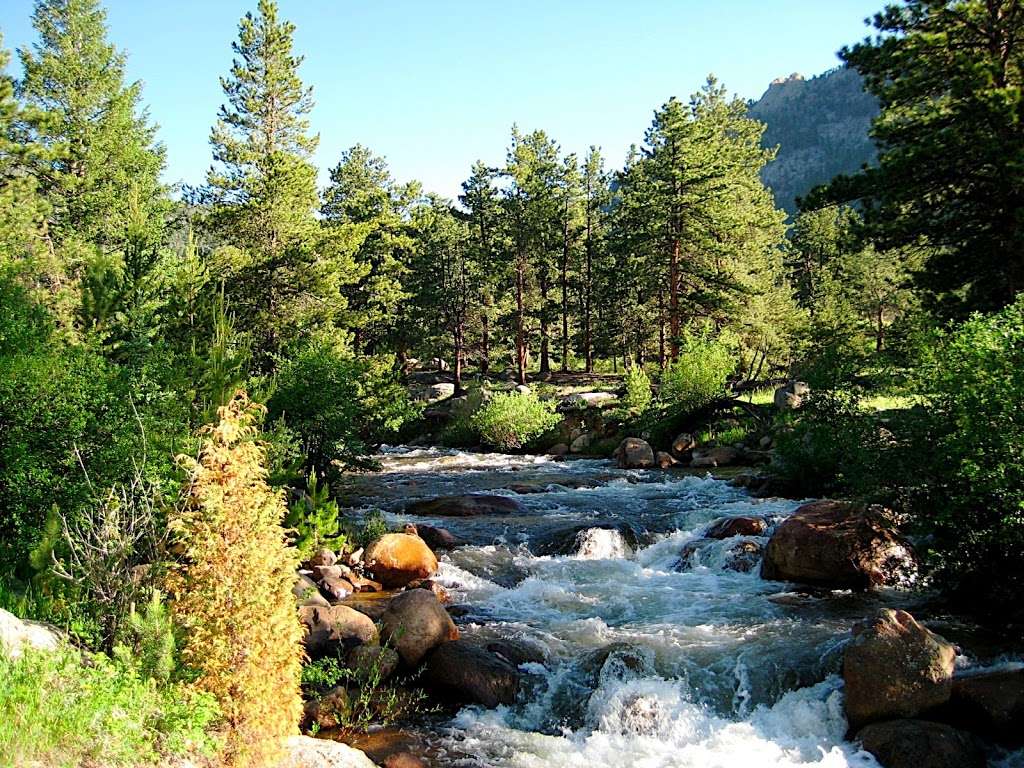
[435, 85]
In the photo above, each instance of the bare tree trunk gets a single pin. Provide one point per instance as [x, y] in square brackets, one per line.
[545, 357]
[520, 320]
[457, 367]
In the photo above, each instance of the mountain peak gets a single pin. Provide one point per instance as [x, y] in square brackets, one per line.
[794, 77]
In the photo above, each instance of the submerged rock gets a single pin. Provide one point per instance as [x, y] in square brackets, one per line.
[463, 672]
[580, 540]
[634, 453]
[727, 527]
[395, 559]
[469, 505]
[415, 623]
[895, 667]
[920, 744]
[838, 544]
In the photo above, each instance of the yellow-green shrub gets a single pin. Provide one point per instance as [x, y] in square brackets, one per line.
[233, 597]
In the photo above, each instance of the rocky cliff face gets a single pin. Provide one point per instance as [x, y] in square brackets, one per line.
[821, 128]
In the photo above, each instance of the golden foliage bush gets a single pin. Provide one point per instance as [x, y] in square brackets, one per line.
[233, 595]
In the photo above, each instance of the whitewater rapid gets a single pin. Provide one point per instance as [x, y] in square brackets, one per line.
[646, 664]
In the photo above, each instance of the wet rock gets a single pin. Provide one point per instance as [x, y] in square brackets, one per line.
[18, 634]
[683, 445]
[463, 672]
[743, 556]
[720, 456]
[307, 752]
[791, 396]
[390, 747]
[326, 628]
[665, 460]
[368, 661]
[517, 652]
[895, 668]
[307, 592]
[840, 545]
[336, 588]
[990, 703]
[634, 453]
[363, 584]
[469, 505]
[920, 744]
[431, 586]
[727, 527]
[439, 539]
[571, 541]
[395, 559]
[616, 662]
[415, 623]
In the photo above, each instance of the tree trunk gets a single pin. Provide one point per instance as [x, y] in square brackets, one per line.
[485, 345]
[661, 329]
[457, 366]
[545, 356]
[520, 320]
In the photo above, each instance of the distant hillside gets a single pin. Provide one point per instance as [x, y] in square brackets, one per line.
[821, 127]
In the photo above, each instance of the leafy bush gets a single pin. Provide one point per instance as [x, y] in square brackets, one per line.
[57, 711]
[338, 405]
[373, 527]
[510, 420]
[233, 599]
[638, 390]
[699, 376]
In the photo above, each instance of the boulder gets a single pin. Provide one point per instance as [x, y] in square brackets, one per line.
[840, 545]
[363, 584]
[464, 673]
[719, 456]
[307, 752]
[395, 559]
[328, 710]
[415, 623]
[336, 587]
[18, 634]
[307, 592]
[791, 396]
[990, 703]
[581, 443]
[572, 541]
[895, 668]
[328, 627]
[582, 400]
[664, 460]
[469, 505]
[369, 661]
[322, 557]
[634, 453]
[743, 525]
[435, 392]
[431, 586]
[439, 539]
[683, 444]
[558, 449]
[523, 389]
[920, 744]
[742, 556]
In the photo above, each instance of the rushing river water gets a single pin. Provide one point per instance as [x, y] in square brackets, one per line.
[707, 667]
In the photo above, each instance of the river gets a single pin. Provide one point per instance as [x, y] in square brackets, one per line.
[708, 666]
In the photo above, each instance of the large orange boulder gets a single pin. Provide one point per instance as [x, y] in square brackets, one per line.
[895, 668]
[838, 544]
[395, 559]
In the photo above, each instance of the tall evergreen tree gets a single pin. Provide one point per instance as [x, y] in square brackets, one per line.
[102, 153]
[482, 202]
[283, 285]
[949, 77]
[596, 198]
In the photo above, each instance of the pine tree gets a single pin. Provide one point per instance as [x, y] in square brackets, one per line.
[596, 198]
[262, 191]
[481, 200]
[101, 148]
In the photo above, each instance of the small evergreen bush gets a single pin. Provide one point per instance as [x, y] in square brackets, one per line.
[510, 420]
[638, 390]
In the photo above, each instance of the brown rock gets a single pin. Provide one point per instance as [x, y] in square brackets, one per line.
[465, 673]
[744, 556]
[665, 460]
[307, 752]
[727, 527]
[322, 557]
[683, 444]
[469, 505]
[415, 623]
[895, 668]
[307, 593]
[720, 456]
[559, 449]
[840, 545]
[395, 559]
[363, 584]
[991, 703]
[404, 760]
[920, 744]
[337, 624]
[429, 584]
[336, 588]
[328, 710]
[634, 453]
[439, 539]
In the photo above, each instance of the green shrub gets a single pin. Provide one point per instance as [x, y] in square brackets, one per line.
[338, 405]
[699, 376]
[510, 420]
[57, 711]
[373, 527]
[638, 390]
[313, 519]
